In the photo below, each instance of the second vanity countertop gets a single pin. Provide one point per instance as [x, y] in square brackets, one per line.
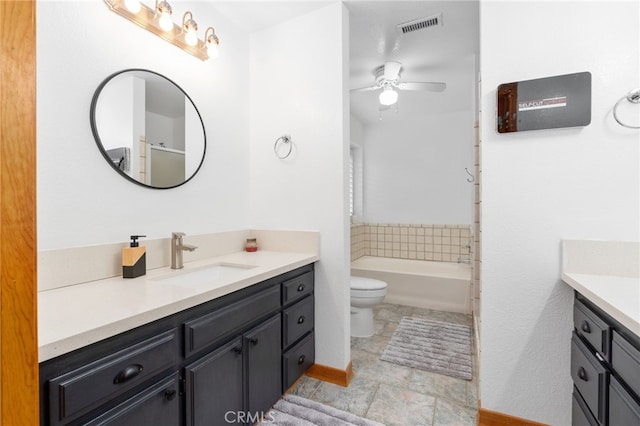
[608, 274]
[79, 315]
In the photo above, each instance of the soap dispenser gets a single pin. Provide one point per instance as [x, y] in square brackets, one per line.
[134, 259]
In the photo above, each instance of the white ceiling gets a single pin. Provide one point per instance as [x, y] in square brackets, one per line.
[445, 53]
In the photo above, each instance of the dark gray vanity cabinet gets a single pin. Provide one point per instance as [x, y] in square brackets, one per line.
[215, 377]
[605, 368]
[156, 405]
[225, 361]
[245, 369]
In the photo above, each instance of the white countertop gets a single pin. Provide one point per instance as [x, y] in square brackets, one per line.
[617, 296]
[608, 274]
[79, 315]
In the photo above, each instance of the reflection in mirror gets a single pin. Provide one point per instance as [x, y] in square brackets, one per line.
[148, 128]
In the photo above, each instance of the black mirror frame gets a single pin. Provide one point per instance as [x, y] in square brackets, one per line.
[96, 136]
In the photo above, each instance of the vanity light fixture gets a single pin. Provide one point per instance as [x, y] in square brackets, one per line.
[158, 21]
[211, 41]
[164, 11]
[190, 28]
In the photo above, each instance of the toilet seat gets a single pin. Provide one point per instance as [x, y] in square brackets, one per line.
[366, 284]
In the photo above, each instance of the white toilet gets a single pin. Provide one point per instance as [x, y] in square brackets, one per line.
[365, 294]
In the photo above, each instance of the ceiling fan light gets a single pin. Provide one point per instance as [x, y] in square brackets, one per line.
[388, 96]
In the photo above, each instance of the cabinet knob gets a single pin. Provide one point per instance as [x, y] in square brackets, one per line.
[238, 350]
[582, 374]
[301, 359]
[253, 341]
[128, 373]
[585, 327]
[301, 287]
[301, 319]
[169, 394]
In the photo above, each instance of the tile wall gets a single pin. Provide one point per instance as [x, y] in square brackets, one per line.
[442, 243]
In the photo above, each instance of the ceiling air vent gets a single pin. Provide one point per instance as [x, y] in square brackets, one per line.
[420, 24]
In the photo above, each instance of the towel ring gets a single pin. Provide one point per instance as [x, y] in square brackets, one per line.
[286, 139]
[633, 97]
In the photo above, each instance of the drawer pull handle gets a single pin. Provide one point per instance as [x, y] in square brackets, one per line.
[301, 287]
[301, 319]
[301, 359]
[583, 374]
[585, 327]
[237, 350]
[128, 373]
[170, 394]
[253, 341]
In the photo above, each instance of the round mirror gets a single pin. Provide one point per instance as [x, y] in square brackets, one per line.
[148, 129]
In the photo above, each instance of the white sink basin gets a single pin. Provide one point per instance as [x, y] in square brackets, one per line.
[207, 274]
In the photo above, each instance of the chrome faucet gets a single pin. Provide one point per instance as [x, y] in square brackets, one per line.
[177, 247]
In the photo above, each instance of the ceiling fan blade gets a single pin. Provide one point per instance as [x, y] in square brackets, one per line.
[366, 89]
[428, 86]
[392, 70]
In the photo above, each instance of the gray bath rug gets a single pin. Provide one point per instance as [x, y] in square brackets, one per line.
[440, 347]
[293, 410]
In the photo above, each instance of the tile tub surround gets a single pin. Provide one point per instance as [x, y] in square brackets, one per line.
[393, 394]
[608, 274]
[440, 243]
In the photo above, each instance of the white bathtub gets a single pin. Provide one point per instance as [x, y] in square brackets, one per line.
[443, 286]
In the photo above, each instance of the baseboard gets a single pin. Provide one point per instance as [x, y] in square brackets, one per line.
[330, 374]
[493, 418]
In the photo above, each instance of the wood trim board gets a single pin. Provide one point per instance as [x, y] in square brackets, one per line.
[18, 243]
[330, 374]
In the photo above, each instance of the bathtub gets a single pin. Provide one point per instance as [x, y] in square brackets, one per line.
[443, 286]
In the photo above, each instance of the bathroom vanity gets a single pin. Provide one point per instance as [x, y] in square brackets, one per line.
[223, 360]
[605, 343]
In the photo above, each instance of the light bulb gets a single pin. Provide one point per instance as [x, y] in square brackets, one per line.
[165, 21]
[132, 6]
[191, 37]
[165, 11]
[388, 96]
[189, 27]
[212, 50]
[212, 42]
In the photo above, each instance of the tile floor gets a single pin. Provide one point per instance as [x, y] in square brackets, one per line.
[392, 394]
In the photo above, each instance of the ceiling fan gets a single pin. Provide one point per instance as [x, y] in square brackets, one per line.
[388, 79]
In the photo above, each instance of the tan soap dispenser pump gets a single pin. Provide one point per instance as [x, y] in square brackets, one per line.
[134, 259]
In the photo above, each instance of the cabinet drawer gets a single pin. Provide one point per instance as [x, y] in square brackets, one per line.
[209, 329]
[297, 288]
[297, 360]
[296, 321]
[592, 328]
[580, 414]
[81, 390]
[625, 360]
[589, 377]
[158, 405]
[623, 409]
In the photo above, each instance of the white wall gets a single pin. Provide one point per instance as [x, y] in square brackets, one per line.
[293, 91]
[540, 187]
[414, 170]
[81, 199]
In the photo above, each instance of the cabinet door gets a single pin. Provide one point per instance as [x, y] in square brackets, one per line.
[214, 386]
[157, 405]
[263, 366]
